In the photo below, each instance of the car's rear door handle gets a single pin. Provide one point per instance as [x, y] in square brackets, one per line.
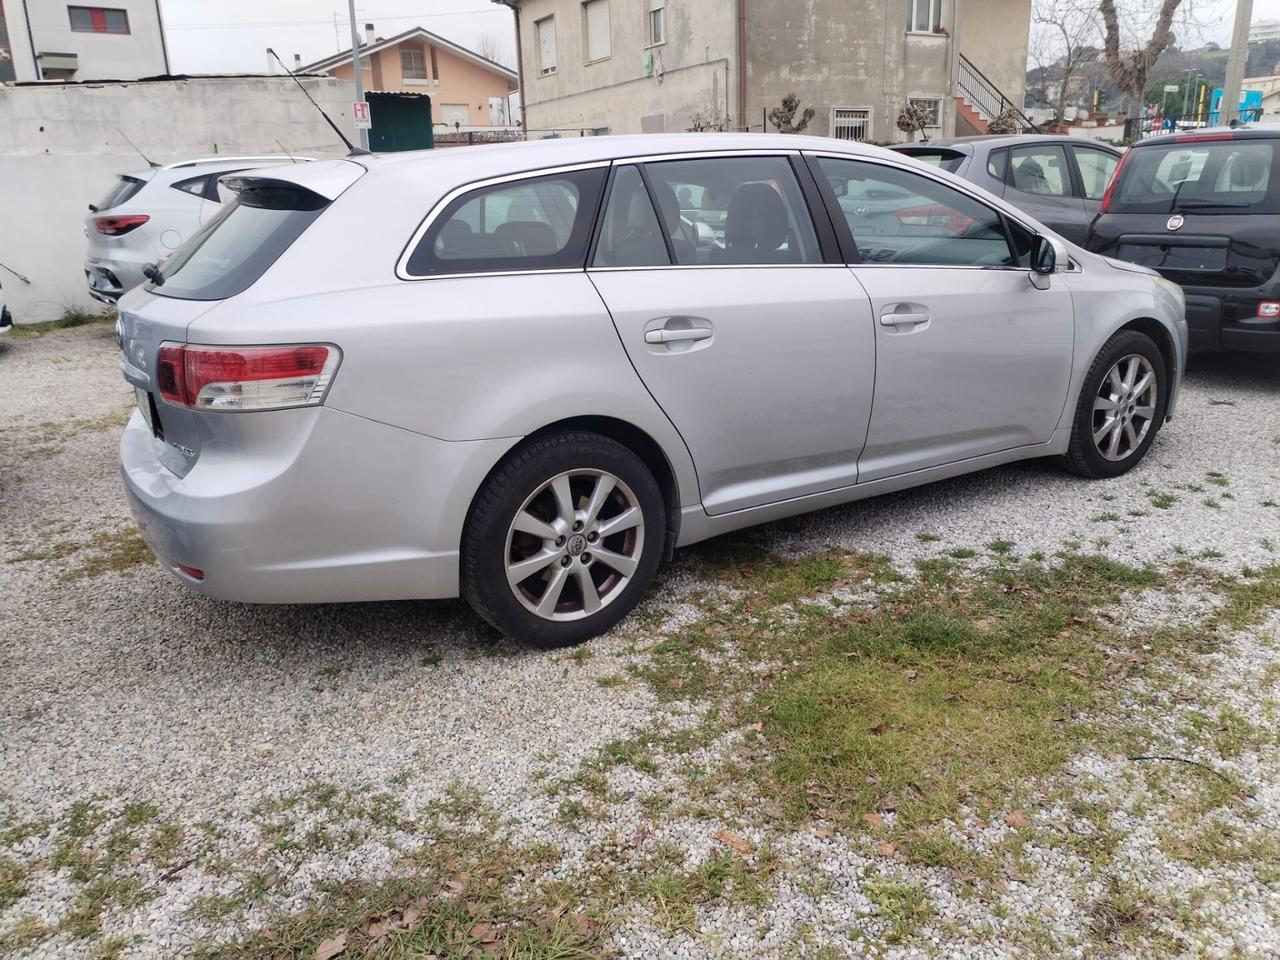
[665, 335]
[903, 319]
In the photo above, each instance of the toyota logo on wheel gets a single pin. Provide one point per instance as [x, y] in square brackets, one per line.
[1176, 221]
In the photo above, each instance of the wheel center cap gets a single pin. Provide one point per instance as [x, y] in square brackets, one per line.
[577, 543]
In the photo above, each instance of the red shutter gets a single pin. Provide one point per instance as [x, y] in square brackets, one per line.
[99, 18]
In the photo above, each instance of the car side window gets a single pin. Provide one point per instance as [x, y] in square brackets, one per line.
[900, 217]
[631, 235]
[196, 186]
[998, 164]
[734, 210]
[1096, 167]
[534, 223]
[1040, 169]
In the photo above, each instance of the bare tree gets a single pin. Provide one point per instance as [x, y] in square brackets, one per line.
[1129, 67]
[784, 119]
[1064, 40]
[491, 47]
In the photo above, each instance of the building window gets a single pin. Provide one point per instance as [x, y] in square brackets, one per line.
[595, 27]
[932, 106]
[924, 16]
[435, 68]
[413, 65]
[850, 123]
[657, 25]
[546, 29]
[98, 20]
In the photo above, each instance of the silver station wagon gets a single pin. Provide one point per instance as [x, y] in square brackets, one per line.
[526, 373]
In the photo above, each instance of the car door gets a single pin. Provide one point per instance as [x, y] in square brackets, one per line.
[760, 352]
[1038, 180]
[971, 359]
[1094, 167]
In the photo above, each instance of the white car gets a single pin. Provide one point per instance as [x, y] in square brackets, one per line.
[148, 214]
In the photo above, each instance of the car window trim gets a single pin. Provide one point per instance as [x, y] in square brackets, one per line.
[828, 244]
[846, 235]
[657, 212]
[402, 262]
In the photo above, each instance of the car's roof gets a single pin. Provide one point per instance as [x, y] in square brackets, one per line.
[992, 140]
[494, 159]
[1258, 131]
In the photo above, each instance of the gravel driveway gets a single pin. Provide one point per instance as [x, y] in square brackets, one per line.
[171, 760]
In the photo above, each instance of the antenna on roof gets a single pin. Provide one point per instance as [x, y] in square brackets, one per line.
[286, 150]
[355, 151]
[151, 163]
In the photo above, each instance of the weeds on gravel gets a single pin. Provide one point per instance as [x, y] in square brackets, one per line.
[104, 552]
[71, 317]
[902, 906]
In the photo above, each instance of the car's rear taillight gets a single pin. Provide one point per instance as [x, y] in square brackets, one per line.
[118, 226]
[245, 378]
[1111, 184]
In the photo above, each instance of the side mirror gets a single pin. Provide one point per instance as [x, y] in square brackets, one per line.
[1048, 256]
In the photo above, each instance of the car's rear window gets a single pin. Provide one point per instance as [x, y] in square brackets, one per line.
[238, 245]
[121, 190]
[1218, 176]
[948, 160]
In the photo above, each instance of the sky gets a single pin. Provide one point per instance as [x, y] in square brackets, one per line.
[231, 36]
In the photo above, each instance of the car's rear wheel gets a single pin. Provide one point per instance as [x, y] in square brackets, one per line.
[563, 539]
[1121, 408]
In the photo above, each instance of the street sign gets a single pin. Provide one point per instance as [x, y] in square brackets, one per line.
[360, 113]
[1171, 88]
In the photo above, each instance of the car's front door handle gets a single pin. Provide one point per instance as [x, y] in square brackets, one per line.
[687, 334]
[903, 319]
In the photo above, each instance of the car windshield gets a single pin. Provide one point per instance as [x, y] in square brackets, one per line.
[121, 190]
[1204, 176]
[238, 245]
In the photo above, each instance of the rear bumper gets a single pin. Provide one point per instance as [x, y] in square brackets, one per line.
[1224, 319]
[109, 279]
[356, 510]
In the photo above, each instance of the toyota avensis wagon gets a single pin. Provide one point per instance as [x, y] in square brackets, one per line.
[525, 373]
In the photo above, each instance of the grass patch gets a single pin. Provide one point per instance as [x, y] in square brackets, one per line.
[903, 907]
[71, 317]
[1161, 501]
[105, 552]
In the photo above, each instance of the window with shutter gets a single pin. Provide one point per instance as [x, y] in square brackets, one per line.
[595, 19]
[546, 29]
[657, 22]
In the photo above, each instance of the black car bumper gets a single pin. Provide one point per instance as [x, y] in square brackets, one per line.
[1226, 319]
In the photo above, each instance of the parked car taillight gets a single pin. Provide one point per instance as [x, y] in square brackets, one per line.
[1111, 184]
[245, 378]
[118, 226]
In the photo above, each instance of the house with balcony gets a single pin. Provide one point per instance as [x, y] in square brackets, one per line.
[418, 77]
[631, 66]
[51, 40]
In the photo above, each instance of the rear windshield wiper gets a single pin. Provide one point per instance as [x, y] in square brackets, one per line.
[1212, 204]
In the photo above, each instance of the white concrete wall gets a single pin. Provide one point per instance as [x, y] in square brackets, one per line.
[59, 151]
[101, 56]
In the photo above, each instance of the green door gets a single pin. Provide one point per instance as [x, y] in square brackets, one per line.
[400, 123]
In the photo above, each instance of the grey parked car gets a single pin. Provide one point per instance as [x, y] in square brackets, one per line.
[1058, 180]
[534, 376]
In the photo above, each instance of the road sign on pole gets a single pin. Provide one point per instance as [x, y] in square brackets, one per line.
[360, 114]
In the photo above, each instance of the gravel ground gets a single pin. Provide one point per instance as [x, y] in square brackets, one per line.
[122, 688]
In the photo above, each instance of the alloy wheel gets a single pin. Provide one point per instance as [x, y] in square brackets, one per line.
[574, 544]
[1124, 409]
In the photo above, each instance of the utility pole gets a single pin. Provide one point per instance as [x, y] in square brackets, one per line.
[355, 68]
[1229, 108]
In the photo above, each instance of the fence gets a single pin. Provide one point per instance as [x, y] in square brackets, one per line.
[1141, 128]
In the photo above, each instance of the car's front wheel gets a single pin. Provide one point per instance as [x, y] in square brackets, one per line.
[563, 539]
[1121, 408]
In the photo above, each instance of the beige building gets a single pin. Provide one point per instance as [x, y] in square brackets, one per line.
[466, 89]
[628, 66]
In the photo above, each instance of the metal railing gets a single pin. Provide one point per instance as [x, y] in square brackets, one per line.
[985, 95]
[1142, 128]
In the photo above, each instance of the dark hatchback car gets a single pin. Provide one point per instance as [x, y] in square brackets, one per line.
[1203, 209]
[1058, 180]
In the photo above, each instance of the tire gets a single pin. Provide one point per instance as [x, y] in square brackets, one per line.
[523, 520]
[1111, 409]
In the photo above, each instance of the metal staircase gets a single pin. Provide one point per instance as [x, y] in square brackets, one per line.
[980, 101]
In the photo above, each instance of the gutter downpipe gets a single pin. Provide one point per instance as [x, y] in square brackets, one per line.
[31, 41]
[742, 64]
[524, 116]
